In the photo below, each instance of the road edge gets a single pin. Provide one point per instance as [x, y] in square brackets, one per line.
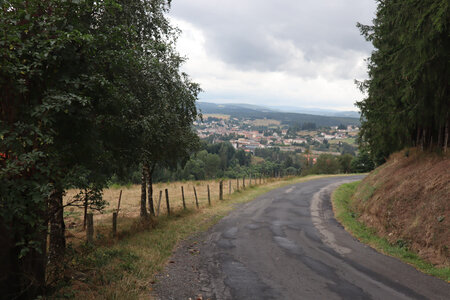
[341, 202]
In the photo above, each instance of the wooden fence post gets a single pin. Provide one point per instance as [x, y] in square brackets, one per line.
[114, 224]
[182, 197]
[167, 202]
[250, 180]
[159, 203]
[221, 190]
[196, 199]
[90, 228]
[209, 196]
[118, 204]
[243, 182]
[237, 184]
[229, 187]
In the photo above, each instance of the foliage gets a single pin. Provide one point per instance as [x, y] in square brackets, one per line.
[87, 87]
[362, 163]
[326, 164]
[408, 91]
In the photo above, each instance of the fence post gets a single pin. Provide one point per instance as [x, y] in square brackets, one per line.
[243, 182]
[196, 199]
[221, 190]
[118, 204]
[237, 184]
[209, 196]
[159, 203]
[114, 224]
[167, 202]
[90, 228]
[182, 197]
[229, 187]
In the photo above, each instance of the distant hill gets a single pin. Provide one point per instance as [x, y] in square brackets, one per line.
[249, 111]
[316, 111]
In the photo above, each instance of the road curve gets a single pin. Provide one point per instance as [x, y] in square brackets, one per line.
[286, 244]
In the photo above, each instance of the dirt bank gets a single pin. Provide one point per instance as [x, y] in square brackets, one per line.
[407, 200]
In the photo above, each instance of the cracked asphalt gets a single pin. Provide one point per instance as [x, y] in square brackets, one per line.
[286, 244]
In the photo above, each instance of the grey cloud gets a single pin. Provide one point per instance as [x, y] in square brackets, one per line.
[262, 34]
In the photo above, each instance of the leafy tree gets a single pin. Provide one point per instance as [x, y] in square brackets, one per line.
[243, 157]
[345, 162]
[83, 83]
[326, 164]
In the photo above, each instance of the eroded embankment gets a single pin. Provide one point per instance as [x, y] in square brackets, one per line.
[407, 201]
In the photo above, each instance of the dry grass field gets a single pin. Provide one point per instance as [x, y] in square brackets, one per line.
[307, 132]
[130, 203]
[218, 116]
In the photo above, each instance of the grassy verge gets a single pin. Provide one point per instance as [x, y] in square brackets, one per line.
[123, 268]
[342, 205]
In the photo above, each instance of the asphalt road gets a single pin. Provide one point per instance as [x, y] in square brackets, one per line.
[287, 245]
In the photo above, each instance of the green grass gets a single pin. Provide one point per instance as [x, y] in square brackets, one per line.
[125, 267]
[342, 203]
[351, 141]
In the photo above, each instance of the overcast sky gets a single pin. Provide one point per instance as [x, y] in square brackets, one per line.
[304, 53]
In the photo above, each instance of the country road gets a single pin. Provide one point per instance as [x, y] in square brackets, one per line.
[286, 244]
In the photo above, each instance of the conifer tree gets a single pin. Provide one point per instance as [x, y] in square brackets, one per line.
[407, 101]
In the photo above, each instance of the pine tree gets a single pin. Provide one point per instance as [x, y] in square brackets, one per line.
[408, 88]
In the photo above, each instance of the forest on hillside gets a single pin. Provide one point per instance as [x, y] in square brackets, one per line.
[238, 111]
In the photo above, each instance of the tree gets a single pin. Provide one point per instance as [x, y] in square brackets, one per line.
[243, 158]
[407, 90]
[326, 164]
[76, 78]
[345, 162]
[309, 126]
[362, 163]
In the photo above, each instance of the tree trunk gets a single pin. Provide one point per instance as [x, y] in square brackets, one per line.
[446, 135]
[439, 141]
[423, 139]
[151, 206]
[418, 137]
[85, 208]
[57, 245]
[143, 194]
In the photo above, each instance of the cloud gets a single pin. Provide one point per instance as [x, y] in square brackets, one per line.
[256, 49]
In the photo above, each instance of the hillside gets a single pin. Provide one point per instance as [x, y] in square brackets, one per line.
[407, 201]
[259, 112]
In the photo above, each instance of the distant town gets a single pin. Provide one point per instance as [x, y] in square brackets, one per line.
[250, 134]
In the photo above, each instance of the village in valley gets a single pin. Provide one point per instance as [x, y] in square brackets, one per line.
[251, 134]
